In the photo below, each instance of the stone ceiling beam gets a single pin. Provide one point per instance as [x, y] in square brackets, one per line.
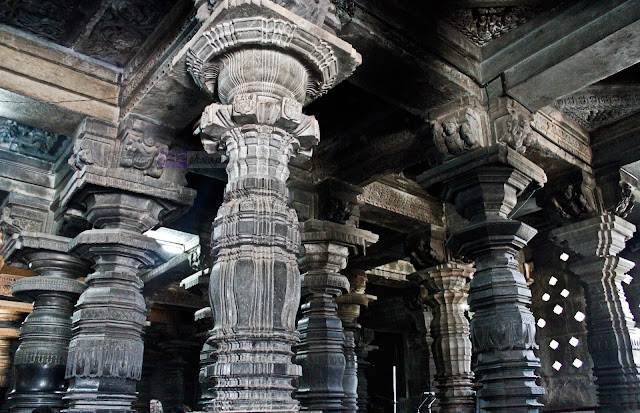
[33, 69]
[577, 47]
[617, 143]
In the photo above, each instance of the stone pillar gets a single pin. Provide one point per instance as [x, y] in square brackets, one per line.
[327, 246]
[173, 369]
[349, 306]
[41, 358]
[483, 184]
[612, 336]
[11, 314]
[263, 63]
[364, 337]
[123, 188]
[445, 288]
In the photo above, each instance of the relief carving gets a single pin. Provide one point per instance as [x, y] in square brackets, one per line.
[625, 203]
[143, 153]
[30, 141]
[517, 132]
[572, 204]
[482, 24]
[452, 138]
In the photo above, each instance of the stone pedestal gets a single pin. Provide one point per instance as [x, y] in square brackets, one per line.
[41, 358]
[327, 246]
[263, 63]
[614, 340]
[445, 288]
[483, 185]
[349, 306]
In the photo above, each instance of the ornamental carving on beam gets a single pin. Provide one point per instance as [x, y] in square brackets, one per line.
[573, 203]
[30, 141]
[484, 24]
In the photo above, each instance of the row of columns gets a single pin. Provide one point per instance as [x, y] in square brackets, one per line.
[263, 64]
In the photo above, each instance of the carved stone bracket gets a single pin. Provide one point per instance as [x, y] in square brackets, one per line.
[512, 124]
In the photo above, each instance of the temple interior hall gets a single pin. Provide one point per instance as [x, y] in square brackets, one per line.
[323, 206]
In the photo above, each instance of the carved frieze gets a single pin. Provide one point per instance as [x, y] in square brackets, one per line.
[21, 213]
[456, 132]
[47, 18]
[596, 106]
[484, 24]
[30, 141]
[559, 134]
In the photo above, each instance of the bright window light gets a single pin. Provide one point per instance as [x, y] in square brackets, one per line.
[557, 365]
[577, 363]
[545, 297]
[554, 344]
[564, 256]
[565, 293]
[553, 281]
[579, 316]
[574, 341]
[172, 241]
[541, 323]
[557, 309]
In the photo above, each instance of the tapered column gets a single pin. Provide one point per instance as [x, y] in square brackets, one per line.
[122, 187]
[106, 350]
[483, 185]
[349, 306]
[613, 339]
[321, 351]
[41, 358]
[263, 63]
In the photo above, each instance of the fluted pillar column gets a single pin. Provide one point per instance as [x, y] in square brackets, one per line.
[612, 336]
[349, 306]
[483, 184]
[263, 63]
[41, 358]
[446, 288]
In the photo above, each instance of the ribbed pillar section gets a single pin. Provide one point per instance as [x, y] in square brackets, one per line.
[320, 352]
[262, 64]
[484, 185]
[41, 358]
[448, 287]
[612, 336]
[255, 283]
[106, 349]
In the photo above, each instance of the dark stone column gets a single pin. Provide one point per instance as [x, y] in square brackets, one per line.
[614, 340]
[364, 337]
[327, 246]
[264, 64]
[122, 187]
[41, 358]
[483, 185]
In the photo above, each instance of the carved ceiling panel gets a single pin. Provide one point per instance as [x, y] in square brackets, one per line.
[600, 105]
[50, 19]
[122, 29]
[484, 24]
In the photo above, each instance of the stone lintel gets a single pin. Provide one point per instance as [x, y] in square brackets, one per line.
[174, 270]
